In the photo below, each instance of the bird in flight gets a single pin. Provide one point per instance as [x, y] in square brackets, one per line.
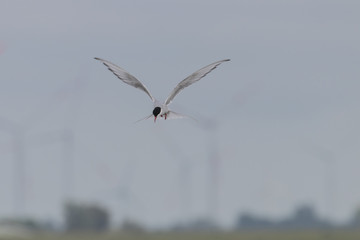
[161, 109]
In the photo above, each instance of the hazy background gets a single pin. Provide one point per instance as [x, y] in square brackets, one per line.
[279, 122]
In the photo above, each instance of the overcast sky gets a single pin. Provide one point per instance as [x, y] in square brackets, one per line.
[282, 116]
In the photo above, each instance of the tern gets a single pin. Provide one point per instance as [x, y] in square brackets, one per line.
[161, 109]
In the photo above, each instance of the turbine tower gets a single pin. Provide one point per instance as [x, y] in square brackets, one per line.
[18, 148]
[211, 127]
[328, 159]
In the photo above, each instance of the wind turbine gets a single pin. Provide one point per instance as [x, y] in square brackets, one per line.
[211, 126]
[17, 132]
[20, 135]
[328, 159]
[123, 192]
[184, 174]
[65, 137]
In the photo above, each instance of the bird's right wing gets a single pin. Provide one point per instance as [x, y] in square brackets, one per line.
[175, 115]
[125, 77]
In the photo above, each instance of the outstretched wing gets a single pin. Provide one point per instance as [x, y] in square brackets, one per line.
[145, 118]
[175, 115]
[125, 77]
[196, 76]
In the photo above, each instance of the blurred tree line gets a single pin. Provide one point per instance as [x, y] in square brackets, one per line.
[80, 217]
[355, 222]
[304, 217]
[92, 217]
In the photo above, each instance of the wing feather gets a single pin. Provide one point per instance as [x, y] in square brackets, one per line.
[125, 77]
[196, 76]
[175, 115]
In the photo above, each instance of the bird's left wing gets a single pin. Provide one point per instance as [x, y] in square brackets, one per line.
[196, 76]
[125, 76]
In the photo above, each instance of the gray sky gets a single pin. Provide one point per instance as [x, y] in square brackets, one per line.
[284, 110]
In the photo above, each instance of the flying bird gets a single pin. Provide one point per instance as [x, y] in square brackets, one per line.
[161, 109]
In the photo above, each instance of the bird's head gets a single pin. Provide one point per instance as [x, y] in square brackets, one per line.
[156, 112]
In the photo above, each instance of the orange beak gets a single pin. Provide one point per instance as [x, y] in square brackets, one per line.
[155, 118]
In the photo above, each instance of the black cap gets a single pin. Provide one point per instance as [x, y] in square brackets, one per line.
[156, 111]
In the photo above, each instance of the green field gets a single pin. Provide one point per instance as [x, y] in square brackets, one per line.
[253, 235]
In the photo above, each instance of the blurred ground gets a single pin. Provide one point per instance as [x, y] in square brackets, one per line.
[252, 235]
